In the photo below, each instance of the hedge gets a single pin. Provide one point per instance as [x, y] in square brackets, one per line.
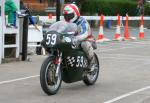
[147, 9]
[111, 7]
[107, 7]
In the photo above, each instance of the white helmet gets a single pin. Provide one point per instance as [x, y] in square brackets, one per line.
[71, 12]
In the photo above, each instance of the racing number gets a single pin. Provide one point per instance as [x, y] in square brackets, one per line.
[80, 61]
[51, 39]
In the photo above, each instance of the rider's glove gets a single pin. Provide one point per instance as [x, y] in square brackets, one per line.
[75, 42]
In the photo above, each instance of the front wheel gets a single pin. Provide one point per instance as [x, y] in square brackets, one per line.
[49, 82]
[91, 77]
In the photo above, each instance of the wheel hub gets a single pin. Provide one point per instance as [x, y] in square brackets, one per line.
[51, 78]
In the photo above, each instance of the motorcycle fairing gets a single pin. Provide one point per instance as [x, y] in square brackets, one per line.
[75, 63]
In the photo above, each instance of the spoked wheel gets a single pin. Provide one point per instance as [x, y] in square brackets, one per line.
[50, 83]
[91, 77]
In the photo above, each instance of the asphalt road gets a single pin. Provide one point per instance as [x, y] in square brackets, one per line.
[124, 77]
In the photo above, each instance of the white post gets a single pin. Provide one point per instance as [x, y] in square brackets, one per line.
[4, 30]
[17, 2]
[0, 40]
[3, 25]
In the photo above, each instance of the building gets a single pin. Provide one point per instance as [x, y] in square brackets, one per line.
[39, 4]
[42, 4]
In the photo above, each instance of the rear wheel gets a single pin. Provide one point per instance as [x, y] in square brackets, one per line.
[49, 82]
[91, 77]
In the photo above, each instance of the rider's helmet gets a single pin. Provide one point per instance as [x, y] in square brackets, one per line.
[71, 12]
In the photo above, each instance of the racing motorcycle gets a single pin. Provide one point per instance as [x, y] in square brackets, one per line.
[66, 61]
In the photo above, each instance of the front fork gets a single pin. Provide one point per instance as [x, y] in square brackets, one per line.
[58, 61]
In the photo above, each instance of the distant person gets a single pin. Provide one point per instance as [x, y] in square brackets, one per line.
[24, 11]
[140, 7]
[10, 10]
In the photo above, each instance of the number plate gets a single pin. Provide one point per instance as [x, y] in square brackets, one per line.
[77, 62]
[51, 39]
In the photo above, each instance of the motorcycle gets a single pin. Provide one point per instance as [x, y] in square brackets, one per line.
[66, 61]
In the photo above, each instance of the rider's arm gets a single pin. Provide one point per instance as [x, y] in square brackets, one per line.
[83, 34]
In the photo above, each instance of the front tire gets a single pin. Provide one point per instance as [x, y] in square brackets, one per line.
[91, 77]
[49, 82]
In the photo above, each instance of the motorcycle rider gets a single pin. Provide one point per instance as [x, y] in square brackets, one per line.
[71, 14]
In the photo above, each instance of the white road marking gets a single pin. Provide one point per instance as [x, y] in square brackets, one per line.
[128, 43]
[141, 43]
[19, 79]
[126, 58]
[132, 44]
[121, 48]
[146, 62]
[133, 92]
[127, 94]
[116, 49]
[125, 55]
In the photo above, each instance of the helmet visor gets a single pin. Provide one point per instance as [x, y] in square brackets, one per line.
[68, 17]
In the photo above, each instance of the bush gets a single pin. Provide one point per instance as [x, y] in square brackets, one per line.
[147, 9]
[109, 7]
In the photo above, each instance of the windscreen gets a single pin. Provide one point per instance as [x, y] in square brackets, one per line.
[63, 27]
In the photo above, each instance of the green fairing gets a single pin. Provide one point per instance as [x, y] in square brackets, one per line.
[10, 8]
[73, 74]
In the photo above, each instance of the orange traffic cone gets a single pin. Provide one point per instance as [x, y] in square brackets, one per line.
[126, 30]
[101, 33]
[118, 35]
[141, 34]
